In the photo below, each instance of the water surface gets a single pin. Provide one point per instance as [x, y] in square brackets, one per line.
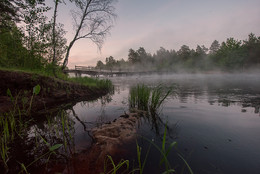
[213, 118]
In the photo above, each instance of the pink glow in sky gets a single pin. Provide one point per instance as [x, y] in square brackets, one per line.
[167, 23]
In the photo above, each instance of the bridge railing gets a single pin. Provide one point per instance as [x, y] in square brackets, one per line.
[91, 68]
[111, 70]
[84, 68]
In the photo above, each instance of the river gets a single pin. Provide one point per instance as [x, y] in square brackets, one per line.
[214, 118]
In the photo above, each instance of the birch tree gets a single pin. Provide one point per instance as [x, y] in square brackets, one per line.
[93, 21]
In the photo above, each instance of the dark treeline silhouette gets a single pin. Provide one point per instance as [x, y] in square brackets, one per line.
[231, 55]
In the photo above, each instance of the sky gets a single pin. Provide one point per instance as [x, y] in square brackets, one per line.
[165, 23]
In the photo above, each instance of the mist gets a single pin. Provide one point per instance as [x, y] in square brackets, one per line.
[230, 56]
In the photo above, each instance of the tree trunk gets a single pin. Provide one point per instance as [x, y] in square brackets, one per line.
[65, 62]
[54, 39]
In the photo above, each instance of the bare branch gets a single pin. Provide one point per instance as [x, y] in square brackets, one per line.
[93, 21]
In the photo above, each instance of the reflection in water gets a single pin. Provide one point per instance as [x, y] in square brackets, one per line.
[213, 133]
[44, 142]
[206, 118]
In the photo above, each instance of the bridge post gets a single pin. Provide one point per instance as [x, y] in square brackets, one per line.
[78, 74]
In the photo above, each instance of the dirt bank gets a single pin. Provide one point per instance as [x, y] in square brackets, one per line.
[110, 139]
[53, 91]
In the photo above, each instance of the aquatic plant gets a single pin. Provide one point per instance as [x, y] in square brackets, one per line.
[51, 151]
[157, 97]
[148, 99]
[36, 91]
[5, 134]
[13, 124]
[140, 162]
[115, 167]
[163, 150]
[139, 97]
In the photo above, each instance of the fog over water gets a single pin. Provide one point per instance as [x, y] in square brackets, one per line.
[214, 118]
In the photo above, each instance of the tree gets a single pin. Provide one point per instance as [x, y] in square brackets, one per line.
[100, 64]
[8, 12]
[184, 52]
[214, 47]
[201, 50]
[60, 43]
[141, 53]
[110, 62]
[133, 56]
[230, 55]
[12, 51]
[35, 24]
[93, 22]
[54, 33]
[252, 49]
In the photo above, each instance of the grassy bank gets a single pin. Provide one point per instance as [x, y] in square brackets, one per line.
[24, 93]
[87, 81]
[54, 91]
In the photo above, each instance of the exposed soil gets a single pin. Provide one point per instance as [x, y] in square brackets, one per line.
[54, 92]
[109, 139]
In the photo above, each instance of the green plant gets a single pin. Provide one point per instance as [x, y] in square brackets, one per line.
[157, 97]
[10, 95]
[165, 152]
[51, 151]
[91, 82]
[115, 167]
[139, 97]
[144, 98]
[140, 163]
[36, 91]
[7, 130]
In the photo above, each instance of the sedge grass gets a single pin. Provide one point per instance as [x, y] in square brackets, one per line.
[115, 167]
[148, 99]
[140, 162]
[139, 97]
[164, 151]
[157, 97]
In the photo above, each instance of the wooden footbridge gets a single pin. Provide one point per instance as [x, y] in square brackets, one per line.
[92, 71]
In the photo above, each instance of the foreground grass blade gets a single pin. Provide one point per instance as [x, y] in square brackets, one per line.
[188, 166]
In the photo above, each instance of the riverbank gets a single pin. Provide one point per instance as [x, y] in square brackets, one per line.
[110, 139]
[53, 93]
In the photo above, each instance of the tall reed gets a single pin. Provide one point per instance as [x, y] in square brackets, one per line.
[139, 97]
[148, 99]
[157, 97]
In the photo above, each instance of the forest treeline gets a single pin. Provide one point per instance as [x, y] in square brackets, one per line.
[231, 55]
[31, 37]
[30, 40]
[26, 36]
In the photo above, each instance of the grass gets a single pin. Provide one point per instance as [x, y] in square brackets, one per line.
[115, 167]
[14, 124]
[164, 151]
[157, 97]
[139, 97]
[92, 82]
[148, 99]
[11, 124]
[87, 81]
[151, 99]
[44, 72]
